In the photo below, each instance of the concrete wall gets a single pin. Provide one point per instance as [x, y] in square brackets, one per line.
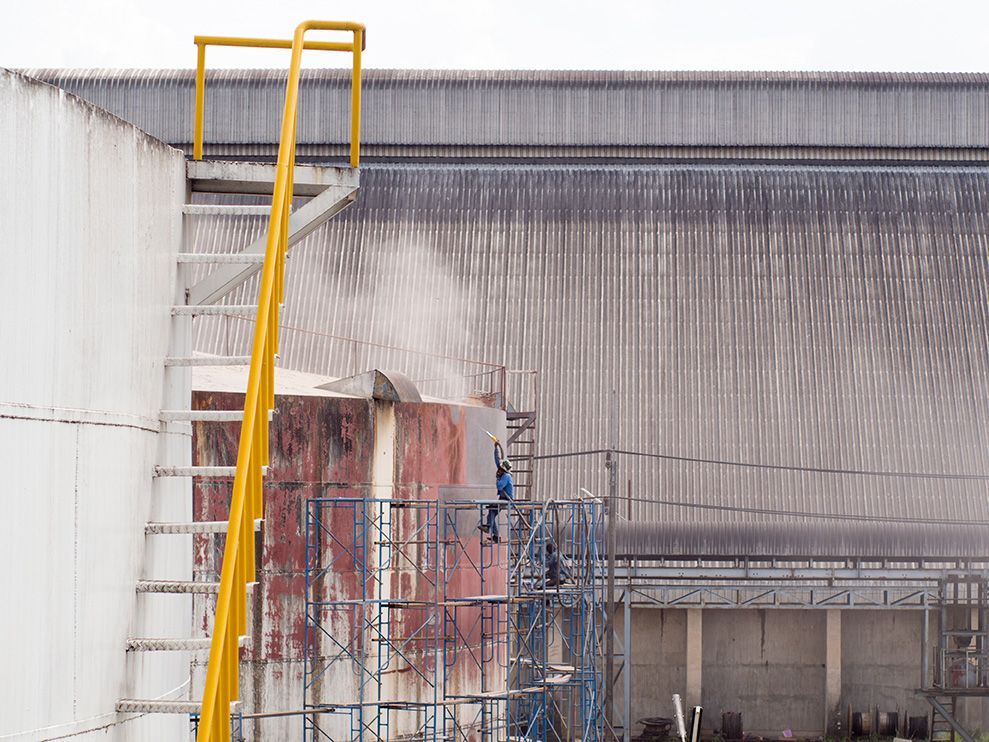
[880, 654]
[773, 667]
[326, 446]
[767, 664]
[659, 664]
[91, 215]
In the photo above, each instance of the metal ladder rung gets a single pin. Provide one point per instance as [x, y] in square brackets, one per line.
[137, 706]
[216, 416]
[196, 526]
[177, 586]
[224, 257]
[199, 471]
[198, 310]
[176, 645]
[208, 361]
[205, 416]
[226, 210]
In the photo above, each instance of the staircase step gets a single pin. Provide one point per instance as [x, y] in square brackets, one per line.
[208, 361]
[214, 416]
[209, 416]
[175, 645]
[196, 310]
[198, 526]
[212, 176]
[199, 471]
[195, 471]
[135, 706]
[224, 257]
[226, 210]
[177, 586]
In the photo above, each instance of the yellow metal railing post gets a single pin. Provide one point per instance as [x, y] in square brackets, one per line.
[197, 132]
[355, 47]
[355, 101]
[247, 502]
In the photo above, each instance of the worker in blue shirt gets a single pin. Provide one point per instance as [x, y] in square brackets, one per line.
[506, 491]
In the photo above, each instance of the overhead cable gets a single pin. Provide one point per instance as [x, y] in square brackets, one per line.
[770, 467]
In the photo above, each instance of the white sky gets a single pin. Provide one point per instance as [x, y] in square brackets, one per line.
[932, 36]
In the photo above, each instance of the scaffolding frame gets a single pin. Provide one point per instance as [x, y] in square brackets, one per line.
[958, 666]
[556, 631]
[483, 646]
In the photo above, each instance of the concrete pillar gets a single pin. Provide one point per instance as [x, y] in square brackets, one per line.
[695, 656]
[832, 674]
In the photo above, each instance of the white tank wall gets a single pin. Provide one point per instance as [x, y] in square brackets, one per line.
[90, 209]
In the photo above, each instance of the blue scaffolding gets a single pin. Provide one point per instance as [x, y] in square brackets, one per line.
[362, 635]
[418, 630]
[553, 632]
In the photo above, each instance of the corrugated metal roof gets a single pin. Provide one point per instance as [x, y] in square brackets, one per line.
[831, 317]
[420, 108]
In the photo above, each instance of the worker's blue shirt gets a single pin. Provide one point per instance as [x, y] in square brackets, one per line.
[506, 489]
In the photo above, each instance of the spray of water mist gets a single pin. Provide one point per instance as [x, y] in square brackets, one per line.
[409, 298]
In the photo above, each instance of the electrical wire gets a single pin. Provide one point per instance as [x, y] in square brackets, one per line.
[810, 514]
[786, 513]
[770, 467]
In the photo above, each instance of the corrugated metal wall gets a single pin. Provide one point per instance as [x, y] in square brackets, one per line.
[502, 108]
[798, 316]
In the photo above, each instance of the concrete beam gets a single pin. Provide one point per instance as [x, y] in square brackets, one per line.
[301, 223]
[832, 675]
[695, 656]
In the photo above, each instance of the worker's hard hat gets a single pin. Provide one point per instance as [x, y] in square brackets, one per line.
[506, 464]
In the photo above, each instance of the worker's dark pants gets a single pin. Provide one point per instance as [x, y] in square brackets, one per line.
[492, 520]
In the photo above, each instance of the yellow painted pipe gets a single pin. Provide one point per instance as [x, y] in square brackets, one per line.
[355, 100]
[238, 584]
[244, 578]
[247, 528]
[198, 126]
[263, 412]
[258, 43]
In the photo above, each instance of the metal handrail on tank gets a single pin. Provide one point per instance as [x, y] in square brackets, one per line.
[223, 670]
[355, 48]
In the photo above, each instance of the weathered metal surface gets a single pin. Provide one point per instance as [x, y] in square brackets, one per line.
[91, 220]
[600, 112]
[325, 447]
[387, 386]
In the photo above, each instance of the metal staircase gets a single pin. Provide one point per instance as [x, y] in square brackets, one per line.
[330, 190]
[522, 387]
[944, 713]
[204, 279]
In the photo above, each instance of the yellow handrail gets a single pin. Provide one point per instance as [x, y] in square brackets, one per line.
[356, 47]
[222, 673]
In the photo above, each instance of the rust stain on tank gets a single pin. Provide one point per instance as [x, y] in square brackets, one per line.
[323, 447]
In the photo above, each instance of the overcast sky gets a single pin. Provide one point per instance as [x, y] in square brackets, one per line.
[933, 36]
